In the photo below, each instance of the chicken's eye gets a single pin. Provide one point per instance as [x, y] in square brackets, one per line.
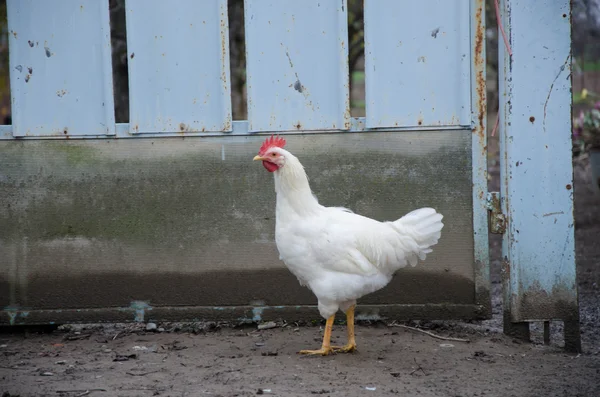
[273, 154]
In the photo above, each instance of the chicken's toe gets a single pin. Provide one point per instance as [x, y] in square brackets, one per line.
[324, 351]
[349, 348]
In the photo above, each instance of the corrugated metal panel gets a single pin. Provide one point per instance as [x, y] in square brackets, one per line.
[60, 67]
[417, 63]
[297, 65]
[178, 65]
[537, 180]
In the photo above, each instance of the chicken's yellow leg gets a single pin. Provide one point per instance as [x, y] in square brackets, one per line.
[326, 347]
[351, 345]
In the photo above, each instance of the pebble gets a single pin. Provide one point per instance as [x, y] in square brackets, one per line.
[268, 325]
[151, 327]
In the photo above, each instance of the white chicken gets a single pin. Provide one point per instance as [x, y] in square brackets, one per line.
[341, 256]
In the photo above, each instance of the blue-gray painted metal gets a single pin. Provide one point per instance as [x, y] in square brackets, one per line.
[478, 106]
[178, 66]
[297, 65]
[535, 137]
[417, 63]
[239, 127]
[60, 67]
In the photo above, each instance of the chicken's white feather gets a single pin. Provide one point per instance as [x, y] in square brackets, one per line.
[342, 256]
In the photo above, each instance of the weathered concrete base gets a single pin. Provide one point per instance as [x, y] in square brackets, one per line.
[225, 295]
[237, 314]
[92, 229]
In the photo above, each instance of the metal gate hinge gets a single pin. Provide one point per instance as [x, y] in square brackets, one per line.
[497, 220]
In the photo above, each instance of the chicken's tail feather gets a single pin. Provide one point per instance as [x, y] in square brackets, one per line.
[424, 226]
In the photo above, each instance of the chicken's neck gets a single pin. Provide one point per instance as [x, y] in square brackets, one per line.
[294, 197]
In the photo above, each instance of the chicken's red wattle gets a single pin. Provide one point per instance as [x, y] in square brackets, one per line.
[270, 166]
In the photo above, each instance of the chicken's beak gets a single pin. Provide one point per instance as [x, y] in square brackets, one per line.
[257, 157]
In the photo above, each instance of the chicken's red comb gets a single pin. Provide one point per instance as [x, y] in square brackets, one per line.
[272, 141]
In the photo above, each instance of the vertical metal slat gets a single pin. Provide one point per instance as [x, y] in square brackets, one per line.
[179, 78]
[60, 68]
[297, 65]
[417, 63]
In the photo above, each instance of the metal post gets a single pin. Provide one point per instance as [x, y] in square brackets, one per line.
[536, 166]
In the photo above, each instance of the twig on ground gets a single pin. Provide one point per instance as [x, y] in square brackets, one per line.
[80, 391]
[419, 368]
[140, 373]
[393, 324]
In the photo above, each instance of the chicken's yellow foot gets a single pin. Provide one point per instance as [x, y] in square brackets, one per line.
[351, 345]
[325, 349]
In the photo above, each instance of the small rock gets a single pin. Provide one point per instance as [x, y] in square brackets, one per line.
[269, 354]
[61, 362]
[269, 325]
[123, 357]
[47, 374]
[151, 327]
[161, 329]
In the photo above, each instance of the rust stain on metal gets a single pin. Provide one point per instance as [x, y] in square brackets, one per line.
[223, 47]
[531, 119]
[227, 125]
[569, 187]
[505, 268]
[479, 61]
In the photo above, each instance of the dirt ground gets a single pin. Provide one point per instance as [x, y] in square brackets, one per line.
[207, 359]
[245, 362]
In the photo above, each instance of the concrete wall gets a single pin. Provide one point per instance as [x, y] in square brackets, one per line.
[108, 229]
